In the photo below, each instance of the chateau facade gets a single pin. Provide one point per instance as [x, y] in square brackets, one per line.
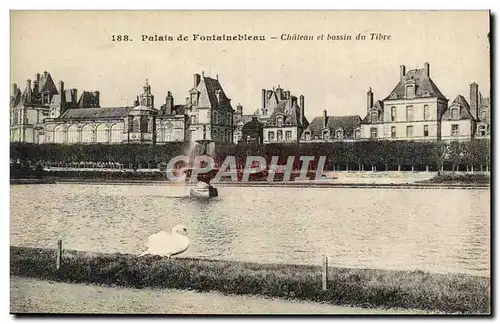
[46, 114]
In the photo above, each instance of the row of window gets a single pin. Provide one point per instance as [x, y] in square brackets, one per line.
[455, 131]
[279, 136]
[217, 117]
[410, 115]
[339, 134]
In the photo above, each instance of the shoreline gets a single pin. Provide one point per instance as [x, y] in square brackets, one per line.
[365, 288]
[289, 184]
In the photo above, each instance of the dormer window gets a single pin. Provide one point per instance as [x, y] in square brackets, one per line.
[374, 117]
[455, 113]
[193, 98]
[339, 134]
[326, 134]
[410, 91]
[279, 121]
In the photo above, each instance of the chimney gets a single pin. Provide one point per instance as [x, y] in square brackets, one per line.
[325, 118]
[74, 96]
[37, 77]
[45, 73]
[197, 79]
[279, 92]
[36, 86]
[301, 105]
[187, 100]
[474, 97]
[402, 69]
[61, 88]
[263, 98]
[239, 110]
[97, 99]
[169, 103]
[369, 99]
[14, 88]
[427, 69]
[28, 88]
[217, 76]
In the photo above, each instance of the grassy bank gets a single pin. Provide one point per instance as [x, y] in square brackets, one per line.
[468, 179]
[453, 293]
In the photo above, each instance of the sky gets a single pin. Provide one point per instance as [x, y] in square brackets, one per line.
[77, 47]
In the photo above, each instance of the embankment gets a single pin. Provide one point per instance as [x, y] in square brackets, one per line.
[448, 293]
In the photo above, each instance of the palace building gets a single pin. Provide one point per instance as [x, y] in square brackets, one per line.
[47, 114]
[416, 110]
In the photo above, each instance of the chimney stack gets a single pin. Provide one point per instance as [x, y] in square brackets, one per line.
[45, 73]
[97, 99]
[169, 103]
[369, 99]
[301, 105]
[263, 98]
[474, 98]
[28, 88]
[427, 69]
[74, 96]
[325, 118]
[197, 79]
[239, 110]
[14, 89]
[35, 87]
[402, 69]
[37, 76]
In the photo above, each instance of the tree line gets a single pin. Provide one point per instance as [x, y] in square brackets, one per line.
[385, 155]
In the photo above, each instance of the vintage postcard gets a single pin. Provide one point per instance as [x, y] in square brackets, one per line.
[250, 162]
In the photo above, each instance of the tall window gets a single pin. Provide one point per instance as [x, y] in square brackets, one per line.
[279, 135]
[410, 92]
[374, 117]
[426, 112]
[193, 119]
[393, 131]
[288, 136]
[409, 113]
[393, 113]
[270, 135]
[409, 131]
[454, 130]
[455, 113]
[130, 124]
[144, 124]
[357, 133]
[426, 130]
[373, 132]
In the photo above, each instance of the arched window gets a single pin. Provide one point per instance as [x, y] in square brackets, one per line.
[339, 133]
[117, 133]
[73, 134]
[326, 134]
[59, 134]
[88, 134]
[102, 134]
[166, 133]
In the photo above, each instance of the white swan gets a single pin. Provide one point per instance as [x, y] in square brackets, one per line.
[166, 244]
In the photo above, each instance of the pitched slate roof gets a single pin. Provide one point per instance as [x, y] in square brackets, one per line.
[290, 112]
[94, 113]
[242, 118]
[47, 84]
[176, 109]
[15, 99]
[87, 100]
[253, 125]
[379, 106]
[207, 97]
[347, 123]
[424, 86]
[464, 112]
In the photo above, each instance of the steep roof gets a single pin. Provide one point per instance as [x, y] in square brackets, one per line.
[252, 125]
[242, 118]
[93, 113]
[333, 123]
[424, 86]
[207, 94]
[16, 98]
[291, 113]
[176, 109]
[464, 112]
[379, 106]
[87, 100]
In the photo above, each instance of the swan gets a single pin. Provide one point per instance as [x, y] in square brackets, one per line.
[166, 244]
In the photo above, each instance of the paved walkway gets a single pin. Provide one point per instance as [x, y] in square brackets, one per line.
[29, 295]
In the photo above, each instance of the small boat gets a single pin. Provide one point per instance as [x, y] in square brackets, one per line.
[203, 190]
